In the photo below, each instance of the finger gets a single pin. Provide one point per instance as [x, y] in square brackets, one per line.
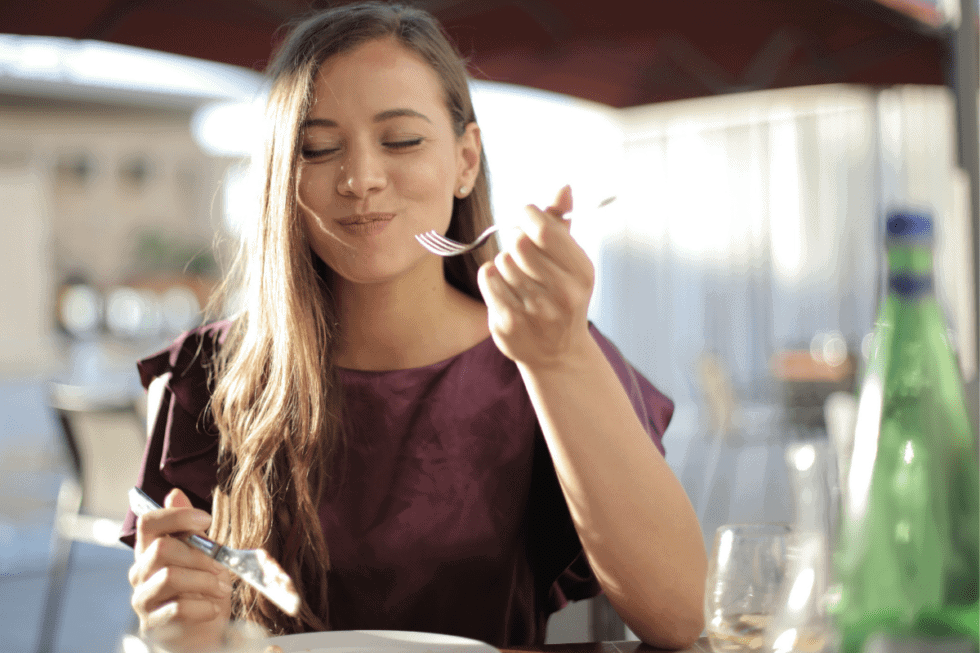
[169, 521]
[533, 298]
[172, 520]
[170, 552]
[501, 301]
[173, 583]
[536, 264]
[521, 283]
[562, 203]
[177, 499]
[165, 583]
[184, 611]
[553, 239]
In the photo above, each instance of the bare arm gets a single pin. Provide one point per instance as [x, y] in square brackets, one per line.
[636, 524]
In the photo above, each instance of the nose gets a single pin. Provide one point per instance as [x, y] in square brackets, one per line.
[361, 172]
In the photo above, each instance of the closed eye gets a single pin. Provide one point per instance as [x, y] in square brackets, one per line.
[319, 154]
[405, 144]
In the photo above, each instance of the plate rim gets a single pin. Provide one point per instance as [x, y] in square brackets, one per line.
[437, 639]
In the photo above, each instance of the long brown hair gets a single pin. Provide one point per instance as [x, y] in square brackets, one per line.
[277, 400]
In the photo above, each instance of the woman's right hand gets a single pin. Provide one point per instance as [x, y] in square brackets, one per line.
[181, 595]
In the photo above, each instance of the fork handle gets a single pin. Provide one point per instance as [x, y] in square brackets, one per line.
[208, 546]
[141, 503]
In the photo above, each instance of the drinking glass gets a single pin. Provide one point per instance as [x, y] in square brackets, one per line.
[801, 622]
[745, 575]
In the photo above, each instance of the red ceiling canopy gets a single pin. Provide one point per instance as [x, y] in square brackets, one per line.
[618, 52]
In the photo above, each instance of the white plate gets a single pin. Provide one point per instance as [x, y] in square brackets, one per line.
[378, 641]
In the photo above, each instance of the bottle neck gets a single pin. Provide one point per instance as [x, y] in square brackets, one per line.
[911, 258]
[910, 269]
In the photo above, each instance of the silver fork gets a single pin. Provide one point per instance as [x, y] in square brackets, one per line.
[439, 244]
[254, 566]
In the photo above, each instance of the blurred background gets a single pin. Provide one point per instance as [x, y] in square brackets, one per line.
[739, 268]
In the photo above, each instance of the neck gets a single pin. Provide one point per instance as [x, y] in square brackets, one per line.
[415, 320]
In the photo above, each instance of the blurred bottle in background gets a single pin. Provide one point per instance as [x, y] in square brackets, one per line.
[907, 556]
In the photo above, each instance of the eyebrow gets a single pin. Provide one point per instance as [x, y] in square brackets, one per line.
[381, 117]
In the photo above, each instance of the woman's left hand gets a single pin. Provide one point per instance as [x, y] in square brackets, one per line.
[538, 293]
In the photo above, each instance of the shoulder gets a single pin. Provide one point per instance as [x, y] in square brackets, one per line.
[187, 366]
[191, 351]
[611, 352]
[652, 406]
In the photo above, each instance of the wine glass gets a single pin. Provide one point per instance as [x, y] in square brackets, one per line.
[745, 575]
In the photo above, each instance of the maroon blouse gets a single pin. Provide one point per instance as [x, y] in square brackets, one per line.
[451, 519]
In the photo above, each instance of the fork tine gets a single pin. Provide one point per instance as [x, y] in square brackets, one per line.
[443, 240]
[447, 245]
[435, 239]
[438, 244]
[438, 248]
[452, 246]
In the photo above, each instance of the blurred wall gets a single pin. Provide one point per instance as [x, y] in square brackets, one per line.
[26, 268]
[106, 193]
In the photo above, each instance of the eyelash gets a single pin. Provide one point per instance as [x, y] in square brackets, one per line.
[405, 144]
[393, 145]
[318, 154]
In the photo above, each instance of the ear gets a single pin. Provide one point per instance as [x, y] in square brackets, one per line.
[468, 148]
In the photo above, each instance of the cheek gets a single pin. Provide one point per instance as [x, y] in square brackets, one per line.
[307, 188]
[314, 235]
[323, 243]
[431, 180]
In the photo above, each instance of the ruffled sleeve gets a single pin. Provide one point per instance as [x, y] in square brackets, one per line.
[562, 571]
[182, 450]
[652, 406]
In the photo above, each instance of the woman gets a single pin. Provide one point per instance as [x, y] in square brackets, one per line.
[424, 444]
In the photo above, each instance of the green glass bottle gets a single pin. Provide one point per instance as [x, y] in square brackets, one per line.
[906, 560]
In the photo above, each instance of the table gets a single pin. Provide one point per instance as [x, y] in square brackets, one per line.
[628, 646]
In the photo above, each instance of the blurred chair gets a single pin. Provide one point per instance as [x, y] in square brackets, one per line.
[104, 435]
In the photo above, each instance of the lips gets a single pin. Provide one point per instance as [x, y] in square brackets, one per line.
[365, 224]
[365, 218]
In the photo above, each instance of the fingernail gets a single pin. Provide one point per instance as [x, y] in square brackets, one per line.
[224, 585]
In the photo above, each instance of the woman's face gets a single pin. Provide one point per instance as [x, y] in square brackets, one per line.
[380, 162]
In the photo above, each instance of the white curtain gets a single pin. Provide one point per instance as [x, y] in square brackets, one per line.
[746, 225]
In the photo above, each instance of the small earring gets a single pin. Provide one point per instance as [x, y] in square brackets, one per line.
[463, 190]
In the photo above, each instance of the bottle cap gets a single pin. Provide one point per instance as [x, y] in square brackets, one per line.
[906, 225]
